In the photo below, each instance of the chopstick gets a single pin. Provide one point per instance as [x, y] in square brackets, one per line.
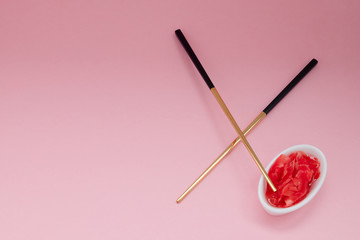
[217, 96]
[254, 123]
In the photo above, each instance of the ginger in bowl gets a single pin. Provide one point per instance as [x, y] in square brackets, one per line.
[298, 174]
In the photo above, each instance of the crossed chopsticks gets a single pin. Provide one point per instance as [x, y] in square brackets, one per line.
[254, 123]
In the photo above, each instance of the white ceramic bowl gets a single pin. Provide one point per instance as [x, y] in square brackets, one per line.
[313, 190]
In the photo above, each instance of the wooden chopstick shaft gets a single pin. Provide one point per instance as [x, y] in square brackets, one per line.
[254, 123]
[243, 138]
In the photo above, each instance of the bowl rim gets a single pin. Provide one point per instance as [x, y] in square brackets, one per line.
[309, 149]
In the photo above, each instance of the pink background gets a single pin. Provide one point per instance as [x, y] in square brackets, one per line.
[105, 121]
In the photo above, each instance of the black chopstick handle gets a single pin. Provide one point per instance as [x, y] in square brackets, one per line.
[291, 85]
[194, 58]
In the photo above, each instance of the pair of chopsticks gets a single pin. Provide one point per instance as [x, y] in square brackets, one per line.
[254, 123]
